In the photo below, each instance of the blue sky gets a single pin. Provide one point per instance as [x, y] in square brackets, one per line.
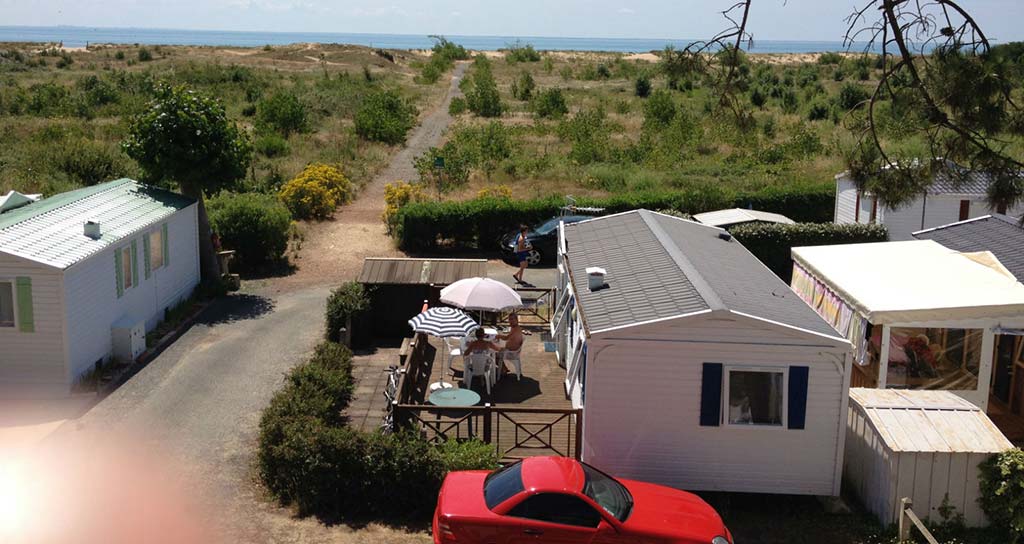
[770, 19]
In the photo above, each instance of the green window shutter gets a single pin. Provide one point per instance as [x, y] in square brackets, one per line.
[145, 255]
[166, 248]
[26, 315]
[135, 264]
[119, 272]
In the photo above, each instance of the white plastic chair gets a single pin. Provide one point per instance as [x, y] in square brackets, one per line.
[454, 350]
[478, 364]
[514, 357]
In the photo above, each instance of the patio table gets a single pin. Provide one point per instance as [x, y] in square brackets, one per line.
[455, 397]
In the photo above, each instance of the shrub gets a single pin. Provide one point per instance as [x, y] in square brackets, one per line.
[524, 87]
[145, 55]
[457, 106]
[256, 226]
[819, 110]
[347, 301]
[271, 145]
[397, 195]
[550, 103]
[316, 192]
[588, 134]
[482, 91]
[89, 162]
[444, 168]
[790, 102]
[518, 52]
[830, 58]
[480, 223]
[119, 55]
[852, 96]
[659, 109]
[282, 112]
[772, 242]
[1001, 483]
[385, 117]
[642, 86]
[757, 97]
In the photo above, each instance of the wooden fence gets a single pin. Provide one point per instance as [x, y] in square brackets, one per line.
[515, 432]
[908, 517]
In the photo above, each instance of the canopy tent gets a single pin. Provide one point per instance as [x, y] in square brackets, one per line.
[914, 281]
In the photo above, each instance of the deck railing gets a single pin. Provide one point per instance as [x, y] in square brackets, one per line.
[515, 431]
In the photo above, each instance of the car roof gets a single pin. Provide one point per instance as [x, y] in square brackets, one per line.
[552, 475]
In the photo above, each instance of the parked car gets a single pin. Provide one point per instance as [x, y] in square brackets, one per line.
[543, 238]
[561, 500]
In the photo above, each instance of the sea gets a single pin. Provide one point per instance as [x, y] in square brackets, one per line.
[77, 36]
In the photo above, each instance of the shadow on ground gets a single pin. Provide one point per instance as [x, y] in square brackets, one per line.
[236, 307]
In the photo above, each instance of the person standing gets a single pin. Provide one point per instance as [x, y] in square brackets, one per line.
[522, 252]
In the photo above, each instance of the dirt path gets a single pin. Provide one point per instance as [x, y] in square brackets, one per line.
[333, 251]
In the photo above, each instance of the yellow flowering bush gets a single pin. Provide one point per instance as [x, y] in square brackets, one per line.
[399, 194]
[498, 191]
[316, 192]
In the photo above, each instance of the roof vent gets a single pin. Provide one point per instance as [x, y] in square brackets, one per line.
[595, 278]
[92, 230]
[724, 235]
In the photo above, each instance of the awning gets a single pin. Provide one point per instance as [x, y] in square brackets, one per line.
[915, 281]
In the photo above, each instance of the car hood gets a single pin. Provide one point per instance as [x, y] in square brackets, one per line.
[671, 513]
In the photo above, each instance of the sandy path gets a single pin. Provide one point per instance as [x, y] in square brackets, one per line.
[333, 251]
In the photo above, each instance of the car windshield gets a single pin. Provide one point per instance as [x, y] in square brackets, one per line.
[502, 484]
[552, 224]
[605, 491]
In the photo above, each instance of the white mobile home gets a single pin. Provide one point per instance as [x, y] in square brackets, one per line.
[83, 276]
[946, 200]
[695, 366]
[922, 316]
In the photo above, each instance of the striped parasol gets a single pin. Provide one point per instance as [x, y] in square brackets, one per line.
[443, 322]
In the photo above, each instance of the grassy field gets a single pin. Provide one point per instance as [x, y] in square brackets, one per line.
[63, 113]
[802, 125]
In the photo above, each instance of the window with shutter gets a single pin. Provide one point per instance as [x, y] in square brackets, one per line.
[755, 396]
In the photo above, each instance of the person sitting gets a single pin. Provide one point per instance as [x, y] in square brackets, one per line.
[513, 339]
[481, 344]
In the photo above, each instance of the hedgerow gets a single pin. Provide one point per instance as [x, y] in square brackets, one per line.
[772, 242]
[481, 222]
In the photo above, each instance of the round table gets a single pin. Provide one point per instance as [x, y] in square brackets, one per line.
[454, 398]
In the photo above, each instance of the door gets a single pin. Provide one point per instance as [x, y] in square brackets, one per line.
[1002, 378]
[555, 518]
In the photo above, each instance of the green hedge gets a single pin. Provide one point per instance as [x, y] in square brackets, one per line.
[480, 223]
[772, 242]
[309, 458]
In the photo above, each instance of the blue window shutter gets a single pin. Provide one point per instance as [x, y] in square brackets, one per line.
[711, 395]
[798, 377]
[119, 272]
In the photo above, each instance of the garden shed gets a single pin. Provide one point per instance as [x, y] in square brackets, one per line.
[922, 445]
[398, 286]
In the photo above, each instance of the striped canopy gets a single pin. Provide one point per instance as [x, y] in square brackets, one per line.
[443, 322]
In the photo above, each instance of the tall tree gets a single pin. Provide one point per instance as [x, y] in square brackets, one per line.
[186, 138]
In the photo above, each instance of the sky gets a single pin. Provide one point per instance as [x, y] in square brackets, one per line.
[770, 19]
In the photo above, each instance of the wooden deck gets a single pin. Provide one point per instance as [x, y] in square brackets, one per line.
[522, 417]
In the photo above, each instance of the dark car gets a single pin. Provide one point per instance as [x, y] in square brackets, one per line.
[543, 238]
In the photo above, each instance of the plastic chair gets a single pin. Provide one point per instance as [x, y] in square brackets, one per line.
[454, 350]
[514, 357]
[478, 365]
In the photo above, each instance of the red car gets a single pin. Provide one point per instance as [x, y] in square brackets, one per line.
[558, 500]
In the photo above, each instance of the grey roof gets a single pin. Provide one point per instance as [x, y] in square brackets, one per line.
[50, 231]
[1000, 234]
[660, 267]
[957, 180]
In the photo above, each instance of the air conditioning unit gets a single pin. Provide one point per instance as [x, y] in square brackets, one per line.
[129, 336]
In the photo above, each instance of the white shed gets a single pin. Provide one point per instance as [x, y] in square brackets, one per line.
[696, 367]
[922, 445]
[78, 265]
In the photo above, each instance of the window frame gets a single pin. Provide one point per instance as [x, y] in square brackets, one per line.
[156, 234]
[14, 302]
[728, 369]
[126, 261]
